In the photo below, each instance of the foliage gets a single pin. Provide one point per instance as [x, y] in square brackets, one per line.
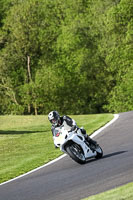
[67, 55]
[120, 56]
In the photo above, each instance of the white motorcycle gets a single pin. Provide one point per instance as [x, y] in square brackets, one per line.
[75, 145]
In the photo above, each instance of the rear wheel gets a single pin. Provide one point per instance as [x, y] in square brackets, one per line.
[76, 153]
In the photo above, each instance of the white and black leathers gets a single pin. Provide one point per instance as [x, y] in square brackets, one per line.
[66, 122]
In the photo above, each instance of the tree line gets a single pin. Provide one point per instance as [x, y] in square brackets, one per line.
[71, 56]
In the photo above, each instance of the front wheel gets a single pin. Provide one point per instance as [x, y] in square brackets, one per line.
[76, 153]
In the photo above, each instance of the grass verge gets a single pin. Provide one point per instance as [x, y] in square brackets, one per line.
[121, 193]
[26, 141]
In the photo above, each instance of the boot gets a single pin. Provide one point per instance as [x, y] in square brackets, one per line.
[93, 144]
[83, 131]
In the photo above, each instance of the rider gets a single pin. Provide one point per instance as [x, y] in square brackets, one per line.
[69, 124]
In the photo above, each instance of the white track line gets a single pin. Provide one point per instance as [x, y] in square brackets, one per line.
[55, 160]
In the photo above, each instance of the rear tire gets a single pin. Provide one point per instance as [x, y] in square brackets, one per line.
[76, 153]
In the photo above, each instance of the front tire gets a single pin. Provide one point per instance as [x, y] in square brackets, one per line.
[76, 153]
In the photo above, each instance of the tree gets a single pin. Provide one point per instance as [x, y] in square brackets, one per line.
[30, 29]
[66, 55]
[119, 53]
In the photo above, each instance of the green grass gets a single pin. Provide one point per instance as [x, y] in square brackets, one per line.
[121, 193]
[26, 141]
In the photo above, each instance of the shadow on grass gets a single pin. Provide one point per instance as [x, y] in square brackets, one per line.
[13, 132]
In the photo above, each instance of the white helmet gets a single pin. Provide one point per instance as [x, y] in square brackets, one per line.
[54, 117]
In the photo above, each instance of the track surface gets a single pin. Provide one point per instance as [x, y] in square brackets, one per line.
[66, 179]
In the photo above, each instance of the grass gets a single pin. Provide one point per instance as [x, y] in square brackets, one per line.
[26, 141]
[121, 193]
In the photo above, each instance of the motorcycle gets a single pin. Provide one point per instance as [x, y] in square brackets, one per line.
[75, 145]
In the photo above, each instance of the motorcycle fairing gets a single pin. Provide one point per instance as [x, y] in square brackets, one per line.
[79, 140]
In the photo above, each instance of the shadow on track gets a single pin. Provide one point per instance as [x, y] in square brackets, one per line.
[113, 154]
[106, 156]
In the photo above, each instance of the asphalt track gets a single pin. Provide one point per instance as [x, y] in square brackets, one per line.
[66, 179]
